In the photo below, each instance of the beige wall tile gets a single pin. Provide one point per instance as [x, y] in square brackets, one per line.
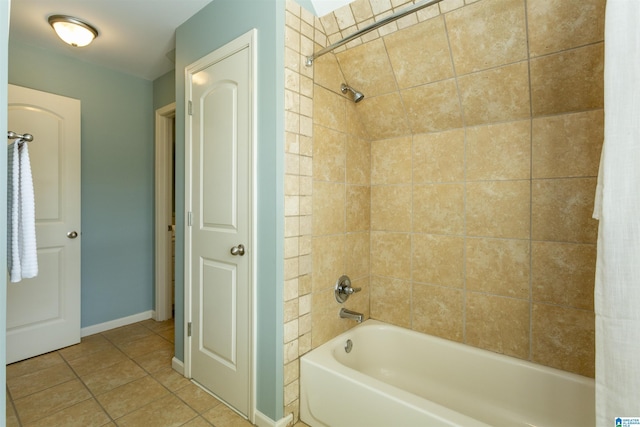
[420, 54]
[438, 208]
[563, 274]
[355, 123]
[305, 284]
[488, 34]
[291, 101]
[291, 270]
[328, 208]
[329, 24]
[361, 10]
[367, 68]
[391, 161]
[556, 25]
[384, 116]
[292, 38]
[433, 108]
[344, 16]
[564, 338]
[448, 5]
[498, 324]
[391, 300]
[495, 95]
[327, 74]
[568, 81]
[438, 260]
[326, 322]
[390, 254]
[358, 205]
[439, 157]
[328, 261]
[357, 255]
[329, 109]
[499, 151]
[438, 311]
[358, 161]
[562, 210]
[329, 154]
[291, 185]
[291, 309]
[290, 288]
[499, 209]
[380, 6]
[391, 208]
[567, 145]
[498, 266]
[428, 13]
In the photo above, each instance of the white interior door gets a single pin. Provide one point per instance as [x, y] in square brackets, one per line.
[219, 240]
[43, 313]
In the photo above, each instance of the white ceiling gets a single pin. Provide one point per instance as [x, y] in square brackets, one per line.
[135, 35]
[322, 7]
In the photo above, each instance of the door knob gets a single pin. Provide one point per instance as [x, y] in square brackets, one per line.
[72, 234]
[237, 250]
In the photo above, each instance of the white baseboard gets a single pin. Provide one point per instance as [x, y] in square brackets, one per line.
[112, 324]
[261, 420]
[177, 366]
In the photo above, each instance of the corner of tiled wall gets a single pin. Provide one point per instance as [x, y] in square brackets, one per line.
[300, 32]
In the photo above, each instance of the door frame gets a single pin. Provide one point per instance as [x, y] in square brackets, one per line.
[248, 41]
[164, 137]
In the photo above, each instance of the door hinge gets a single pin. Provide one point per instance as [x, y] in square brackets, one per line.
[189, 219]
[189, 329]
[190, 108]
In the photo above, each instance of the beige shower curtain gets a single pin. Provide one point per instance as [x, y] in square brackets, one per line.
[617, 290]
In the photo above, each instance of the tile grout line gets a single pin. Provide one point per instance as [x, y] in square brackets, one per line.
[65, 361]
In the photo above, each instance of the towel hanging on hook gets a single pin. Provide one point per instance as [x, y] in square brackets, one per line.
[22, 257]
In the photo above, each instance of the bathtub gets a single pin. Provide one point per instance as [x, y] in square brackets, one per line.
[395, 377]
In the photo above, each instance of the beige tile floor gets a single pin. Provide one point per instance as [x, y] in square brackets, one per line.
[121, 377]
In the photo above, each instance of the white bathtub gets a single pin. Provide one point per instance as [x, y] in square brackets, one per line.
[394, 377]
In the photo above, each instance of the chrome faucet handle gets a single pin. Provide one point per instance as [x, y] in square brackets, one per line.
[343, 289]
[351, 290]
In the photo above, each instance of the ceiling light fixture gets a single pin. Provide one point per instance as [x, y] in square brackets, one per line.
[72, 30]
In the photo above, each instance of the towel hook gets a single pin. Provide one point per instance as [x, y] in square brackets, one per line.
[27, 136]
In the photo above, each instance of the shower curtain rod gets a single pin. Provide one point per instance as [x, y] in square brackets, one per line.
[371, 27]
[27, 136]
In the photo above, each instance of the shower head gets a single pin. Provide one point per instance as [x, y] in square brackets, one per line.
[357, 96]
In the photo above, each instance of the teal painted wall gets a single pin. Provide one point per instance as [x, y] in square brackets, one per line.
[215, 25]
[4, 42]
[164, 90]
[117, 177]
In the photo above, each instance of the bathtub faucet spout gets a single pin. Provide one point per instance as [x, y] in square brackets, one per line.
[348, 314]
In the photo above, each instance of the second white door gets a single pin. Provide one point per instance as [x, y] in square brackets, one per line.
[43, 313]
[219, 201]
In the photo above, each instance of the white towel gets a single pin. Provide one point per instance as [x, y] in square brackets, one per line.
[22, 252]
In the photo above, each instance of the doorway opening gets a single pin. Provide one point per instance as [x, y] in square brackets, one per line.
[165, 211]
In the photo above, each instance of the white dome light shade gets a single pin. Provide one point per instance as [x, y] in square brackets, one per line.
[72, 30]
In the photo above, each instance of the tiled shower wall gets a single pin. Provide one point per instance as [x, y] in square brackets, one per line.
[482, 127]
